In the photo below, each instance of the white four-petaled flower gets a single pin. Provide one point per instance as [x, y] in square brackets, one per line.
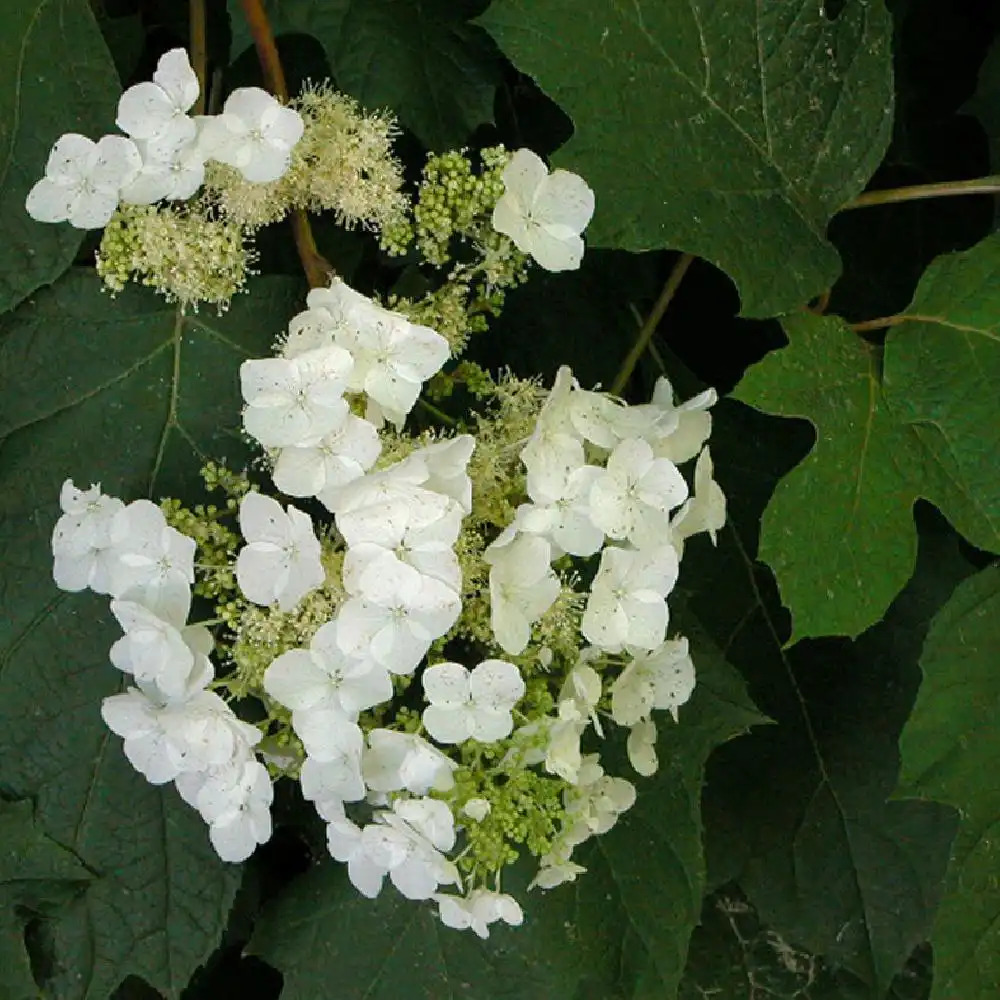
[478, 910]
[295, 402]
[255, 134]
[627, 604]
[663, 678]
[632, 498]
[323, 677]
[83, 555]
[155, 111]
[522, 588]
[471, 704]
[544, 214]
[83, 180]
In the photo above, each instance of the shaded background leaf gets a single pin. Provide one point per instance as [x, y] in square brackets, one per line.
[132, 395]
[36, 876]
[423, 60]
[56, 76]
[796, 813]
[734, 955]
[949, 747]
[721, 130]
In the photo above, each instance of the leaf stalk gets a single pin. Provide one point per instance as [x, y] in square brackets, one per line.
[648, 328]
[919, 192]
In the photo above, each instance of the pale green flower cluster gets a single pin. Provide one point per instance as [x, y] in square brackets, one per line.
[342, 164]
[188, 253]
[452, 223]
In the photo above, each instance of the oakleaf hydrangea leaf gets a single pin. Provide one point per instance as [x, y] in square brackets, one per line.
[436, 72]
[56, 76]
[922, 420]
[949, 750]
[37, 877]
[126, 393]
[827, 862]
[725, 130]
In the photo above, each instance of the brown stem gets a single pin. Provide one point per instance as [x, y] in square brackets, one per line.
[879, 324]
[916, 192]
[820, 305]
[199, 51]
[652, 321]
[318, 269]
[267, 51]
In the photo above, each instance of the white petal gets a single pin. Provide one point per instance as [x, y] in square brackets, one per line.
[414, 878]
[259, 574]
[265, 164]
[143, 110]
[249, 104]
[234, 841]
[263, 520]
[448, 724]
[366, 876]
[117, 163]
[489, 725]
[555, 253]
[49, 201]
[296, 681]
[283, 127]
[93, 210]
[496, 684]
[70, 158]
[524, 173]
[564, 199]
[509, 218]
[447, 684]
[175, 75]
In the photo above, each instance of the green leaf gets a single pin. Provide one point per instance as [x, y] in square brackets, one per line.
[796, 813]
[734, 955]
[130, 394]
[28, 854]
[920, 421]
[36, 874]
[436, 72]
[949, 750]
[723, 130]
[601, 303]
[56, 76]
[629, 918]
[125, 36]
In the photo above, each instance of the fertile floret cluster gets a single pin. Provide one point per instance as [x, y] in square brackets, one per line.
[440, 631]
[343, 163]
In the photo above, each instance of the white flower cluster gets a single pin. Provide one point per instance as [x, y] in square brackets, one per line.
[174, 728]
[164, 150]
[603, 477]
[403, 583]
[601, 482]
